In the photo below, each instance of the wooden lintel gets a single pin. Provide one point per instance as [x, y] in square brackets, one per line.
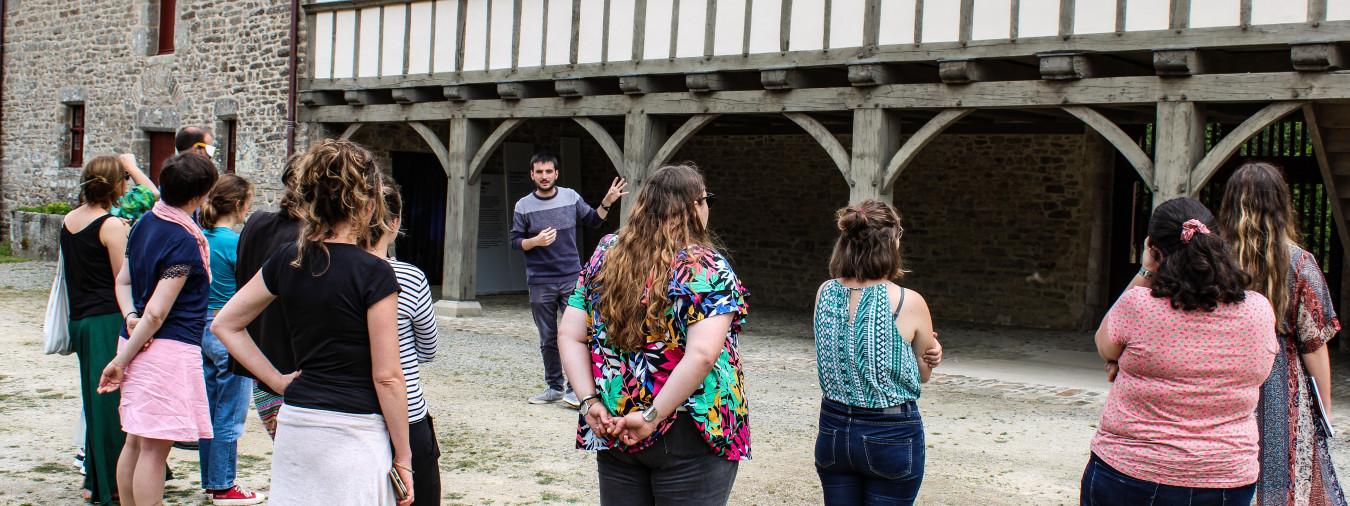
[582, 87]
[458, 92]
[1317, 57]
[417, 95]
[516, 90]
[873, 74]
[962, 71]
[367, 97]
[703, 82]
[316, 98]
[1062, 66]
[1182, 62]
[643, 84]
[796, 78]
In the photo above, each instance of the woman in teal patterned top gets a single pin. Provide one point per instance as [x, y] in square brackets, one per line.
[874, 346]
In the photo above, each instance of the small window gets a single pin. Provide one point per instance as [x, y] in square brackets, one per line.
[167, 17]
[76, 158]
[230, 127]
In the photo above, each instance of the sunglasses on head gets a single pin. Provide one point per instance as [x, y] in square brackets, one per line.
[708, 197]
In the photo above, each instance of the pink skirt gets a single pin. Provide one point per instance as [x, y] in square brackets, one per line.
[163, 393]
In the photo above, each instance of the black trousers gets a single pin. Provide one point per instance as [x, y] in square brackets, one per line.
[426, 455]
[679, 468]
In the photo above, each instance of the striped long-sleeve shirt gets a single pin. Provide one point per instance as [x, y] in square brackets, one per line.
[416, 332]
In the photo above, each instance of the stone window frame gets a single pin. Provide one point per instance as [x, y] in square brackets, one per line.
[73, 135]
[227, 133]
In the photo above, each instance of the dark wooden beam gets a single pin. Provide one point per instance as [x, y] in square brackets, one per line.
[516, 90]
[643, 84]
[417, 95]
[582, 87]
[788, 78]
[873, 74]
[1182, 62]
[1062, 66]
[459, 92]
[368, 97]
[962, 71]
[703, 82]
[317, 98]
[1317, 57]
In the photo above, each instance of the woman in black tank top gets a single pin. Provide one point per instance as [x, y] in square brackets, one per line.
[92, 250]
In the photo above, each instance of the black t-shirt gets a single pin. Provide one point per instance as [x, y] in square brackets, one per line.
[263, 235]
[324, 302]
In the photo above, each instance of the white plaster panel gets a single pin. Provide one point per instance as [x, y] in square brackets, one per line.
[1206, 13]
[1338, 10]
[344, 45]
[419, 37]
[1094, 16]
[1270, 12]
[323, 45]
[368, 47]
[729, 36]
[808, 25]
[1038, 18]
[395, 31]
[941, 21]
[531, 33]
[620, 47]
[897, 22]
[693, 25]
[591, 32]
[765, 25]
[656, 40]
[475, 35]
[1143, 15]
[558, 47]
[503, 34]
[992, 19]
[447, 36]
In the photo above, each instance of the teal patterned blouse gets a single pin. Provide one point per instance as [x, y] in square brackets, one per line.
[865, 362]
[137, 201]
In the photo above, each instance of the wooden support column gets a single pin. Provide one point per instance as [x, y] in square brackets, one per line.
[458, 283]
[643, 137]
[876, 138]
[1179, 144]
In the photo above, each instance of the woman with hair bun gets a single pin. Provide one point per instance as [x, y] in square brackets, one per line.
[875, 345]
[1257, 219]
[1192, 348]
[346, 407]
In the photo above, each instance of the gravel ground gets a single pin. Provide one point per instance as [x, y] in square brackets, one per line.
[990, 442]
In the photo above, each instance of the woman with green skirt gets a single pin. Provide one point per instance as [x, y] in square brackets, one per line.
[93, 244]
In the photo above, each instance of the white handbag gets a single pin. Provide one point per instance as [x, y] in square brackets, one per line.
[56, 329]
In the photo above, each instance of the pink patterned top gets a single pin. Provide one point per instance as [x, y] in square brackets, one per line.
[1182, 411]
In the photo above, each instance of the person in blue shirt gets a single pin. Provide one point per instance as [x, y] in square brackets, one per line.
[226, 393]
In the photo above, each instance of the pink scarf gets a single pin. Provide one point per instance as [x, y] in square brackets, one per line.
[175, 215]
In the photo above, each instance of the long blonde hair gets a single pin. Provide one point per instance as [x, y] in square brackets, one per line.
[637, 268]
[337, 182]
[1257, 219]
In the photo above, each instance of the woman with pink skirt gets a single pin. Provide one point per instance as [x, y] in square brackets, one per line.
[162, 291]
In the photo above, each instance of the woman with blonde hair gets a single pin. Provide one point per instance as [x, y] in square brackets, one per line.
[1257, 220]
[346, 407]
[649, 342]
[871, 336]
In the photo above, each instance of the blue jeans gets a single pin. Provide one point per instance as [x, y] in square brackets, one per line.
[228, 395]
[869, 457]
[1103, 485]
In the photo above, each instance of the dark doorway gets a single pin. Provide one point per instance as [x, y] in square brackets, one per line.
[423, 187]
[161, 148]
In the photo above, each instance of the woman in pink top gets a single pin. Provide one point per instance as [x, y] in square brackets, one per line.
[1188, 348]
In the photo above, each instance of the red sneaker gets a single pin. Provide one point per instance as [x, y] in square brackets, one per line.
[236, 496]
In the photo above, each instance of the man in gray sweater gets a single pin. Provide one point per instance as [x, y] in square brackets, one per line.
[544, 227]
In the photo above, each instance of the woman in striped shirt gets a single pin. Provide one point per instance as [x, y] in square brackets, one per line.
[417, 343]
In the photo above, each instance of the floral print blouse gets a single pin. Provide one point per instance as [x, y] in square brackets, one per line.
[702, 285]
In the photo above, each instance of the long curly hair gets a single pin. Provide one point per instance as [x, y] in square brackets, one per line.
[1195, 274]
[338, 183]
[1256, 217]
[637, 268]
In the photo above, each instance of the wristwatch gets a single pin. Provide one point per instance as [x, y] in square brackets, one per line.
[1145, 273]
[649, 414]
[583, 406]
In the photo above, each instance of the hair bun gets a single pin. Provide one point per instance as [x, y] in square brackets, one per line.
[851, 219]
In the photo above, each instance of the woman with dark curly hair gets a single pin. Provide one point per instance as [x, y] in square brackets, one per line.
[1192, 348]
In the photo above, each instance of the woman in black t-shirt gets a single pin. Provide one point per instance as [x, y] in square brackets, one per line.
[347, 402]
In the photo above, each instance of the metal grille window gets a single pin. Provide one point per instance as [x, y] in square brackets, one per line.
[76, 158]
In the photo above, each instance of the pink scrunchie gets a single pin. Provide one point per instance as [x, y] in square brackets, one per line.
[1189, 229]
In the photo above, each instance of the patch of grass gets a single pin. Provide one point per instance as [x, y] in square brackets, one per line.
[550, 497]
[51, 468]
[246, 460]
[7, 255]
[61, 208]
[545, 478]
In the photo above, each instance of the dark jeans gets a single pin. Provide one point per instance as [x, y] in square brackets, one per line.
[867, 456]
[426, 455]
[1105, 486]
[679, 468]
[545, 303]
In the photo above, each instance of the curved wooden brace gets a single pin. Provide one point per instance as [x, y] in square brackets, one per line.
[827, 140]
[916, 143]
[489, 145]
[437, 147]
[1328, 176]
[1118, 138]
[612, 149]
[351, 130]
[679, 138]
[1225, 149]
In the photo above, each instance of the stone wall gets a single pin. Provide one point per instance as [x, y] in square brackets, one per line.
[229, 62]
[35, 235]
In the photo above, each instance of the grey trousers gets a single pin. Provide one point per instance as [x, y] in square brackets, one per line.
[546, 304]
[679, 468]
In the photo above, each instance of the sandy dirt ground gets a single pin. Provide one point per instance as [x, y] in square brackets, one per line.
[996, 435]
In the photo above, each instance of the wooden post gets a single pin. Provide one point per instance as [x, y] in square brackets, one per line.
[1098, 158]
[458, 281]
[876, 138]
[643, 136]
[1179, 144]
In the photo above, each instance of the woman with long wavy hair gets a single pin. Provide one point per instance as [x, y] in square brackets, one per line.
[649, 343]
[1257, 220]
[346, 406]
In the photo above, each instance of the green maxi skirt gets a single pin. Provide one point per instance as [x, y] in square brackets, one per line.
[95, 342]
